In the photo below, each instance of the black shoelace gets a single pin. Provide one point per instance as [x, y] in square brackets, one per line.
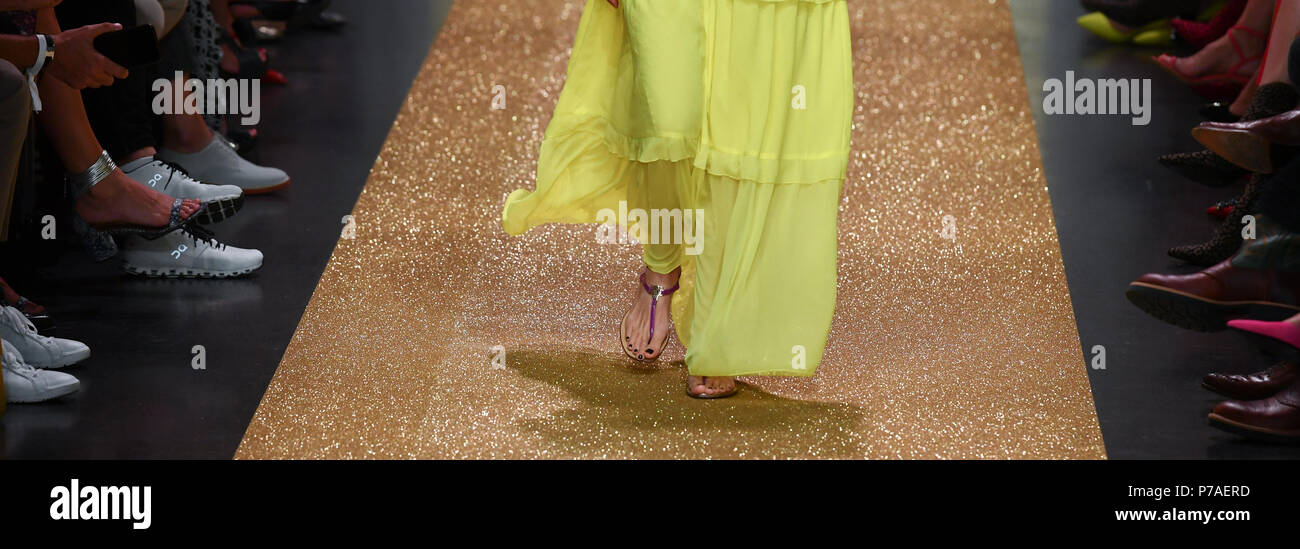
[175, 168]
[201, 234]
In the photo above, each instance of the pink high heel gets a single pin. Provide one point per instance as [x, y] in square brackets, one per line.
[655, 292]
[1284, 332]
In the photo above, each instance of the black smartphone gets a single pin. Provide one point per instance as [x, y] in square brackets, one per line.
[131, 48]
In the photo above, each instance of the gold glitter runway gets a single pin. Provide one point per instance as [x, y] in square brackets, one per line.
[941, 348]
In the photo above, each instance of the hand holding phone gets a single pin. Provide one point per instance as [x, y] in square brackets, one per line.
[78, 64]
[131, 48]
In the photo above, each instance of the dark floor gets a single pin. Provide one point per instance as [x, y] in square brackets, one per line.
[1117, 211]
[139, 396]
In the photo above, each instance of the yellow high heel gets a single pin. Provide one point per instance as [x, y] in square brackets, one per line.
[1155, 33]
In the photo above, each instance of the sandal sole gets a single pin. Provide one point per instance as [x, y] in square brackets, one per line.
[220, 210]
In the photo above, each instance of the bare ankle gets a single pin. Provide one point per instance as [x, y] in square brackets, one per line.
[660, 279]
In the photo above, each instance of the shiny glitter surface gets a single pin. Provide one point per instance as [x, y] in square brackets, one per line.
[433, 334]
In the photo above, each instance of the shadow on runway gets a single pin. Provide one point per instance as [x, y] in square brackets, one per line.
[623, 403]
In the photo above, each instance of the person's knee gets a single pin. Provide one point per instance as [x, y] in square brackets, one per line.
[150, 12]
[13, 88]
[173, 11]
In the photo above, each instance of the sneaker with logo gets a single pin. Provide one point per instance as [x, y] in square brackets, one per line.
[25, 384]
[219, 163]
[38, 350]
[170, 179]
[190, 252]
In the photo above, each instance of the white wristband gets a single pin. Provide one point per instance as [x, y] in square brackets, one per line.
[41, 54]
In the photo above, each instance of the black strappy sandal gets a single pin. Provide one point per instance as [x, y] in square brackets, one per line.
[655, 292]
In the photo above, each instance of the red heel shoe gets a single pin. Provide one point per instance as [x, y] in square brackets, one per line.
[1224, 86]
[1222, 209]
[1198, 35]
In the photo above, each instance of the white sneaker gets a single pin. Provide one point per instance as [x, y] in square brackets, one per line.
[38, 350]
[188, 252]
[219, 163]
[222, 201]
[23, 383]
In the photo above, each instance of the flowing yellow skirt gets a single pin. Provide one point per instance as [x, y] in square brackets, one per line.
[734, 117]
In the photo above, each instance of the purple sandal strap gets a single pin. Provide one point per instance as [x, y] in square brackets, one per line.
[655, 293]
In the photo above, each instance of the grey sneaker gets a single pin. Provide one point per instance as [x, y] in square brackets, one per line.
[165, 177]
[219, 163]
[190, 252]
[23, 383]
[38, 350]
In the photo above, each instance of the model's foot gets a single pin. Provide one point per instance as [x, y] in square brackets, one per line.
[637, 339]
[120, 200]
[707, 386]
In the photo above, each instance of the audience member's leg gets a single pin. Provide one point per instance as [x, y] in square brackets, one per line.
[119, 114]
[15, 112]
[173, 12]
[1286, 25]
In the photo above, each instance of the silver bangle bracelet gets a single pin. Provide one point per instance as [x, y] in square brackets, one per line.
[99, 171]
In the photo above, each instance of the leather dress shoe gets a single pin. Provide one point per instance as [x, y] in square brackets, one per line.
[1256, 386]
[1205, 301]
[1261, 282]
[1275, 418]
[1250, 144]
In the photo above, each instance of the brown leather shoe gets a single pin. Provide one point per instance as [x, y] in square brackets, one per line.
[1275, 418]
[1258, 385]
[1250, 144]
[1207, 300]
[1261, 281]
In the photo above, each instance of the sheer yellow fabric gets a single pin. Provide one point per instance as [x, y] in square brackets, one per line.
[738, 110]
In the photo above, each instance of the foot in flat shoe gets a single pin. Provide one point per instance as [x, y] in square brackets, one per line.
[219, 164]
[120, 201]
[646, 325]
[191, 252]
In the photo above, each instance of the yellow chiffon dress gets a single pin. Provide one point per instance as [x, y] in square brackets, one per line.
[739, 110]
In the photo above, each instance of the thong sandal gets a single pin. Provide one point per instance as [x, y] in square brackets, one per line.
[99, 171]
[655, 292]
[735, 388]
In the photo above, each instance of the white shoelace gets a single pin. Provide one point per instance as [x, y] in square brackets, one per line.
[20, 319]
